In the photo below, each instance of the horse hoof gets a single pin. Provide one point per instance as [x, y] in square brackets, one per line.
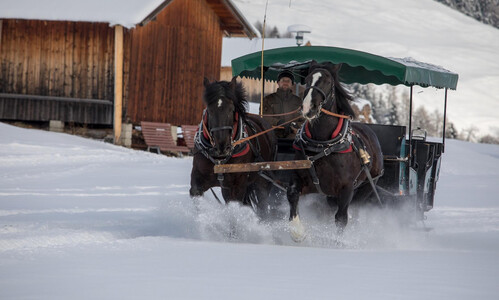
[296, 230]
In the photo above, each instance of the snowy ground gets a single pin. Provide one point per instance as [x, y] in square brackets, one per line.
[81, 219]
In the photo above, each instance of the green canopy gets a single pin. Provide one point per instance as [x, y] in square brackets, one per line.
[357, 67]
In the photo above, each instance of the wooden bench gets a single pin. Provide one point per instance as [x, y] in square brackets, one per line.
[158, 137]
[189, 132]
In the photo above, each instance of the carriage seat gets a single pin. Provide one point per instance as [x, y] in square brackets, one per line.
[158, 137]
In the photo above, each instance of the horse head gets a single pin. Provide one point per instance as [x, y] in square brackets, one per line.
[323, 90]
[225, 106]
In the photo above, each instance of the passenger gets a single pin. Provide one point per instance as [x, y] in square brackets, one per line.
[283, 101]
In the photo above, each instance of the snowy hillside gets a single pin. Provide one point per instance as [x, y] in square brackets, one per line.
[424, 30]
[81, 219]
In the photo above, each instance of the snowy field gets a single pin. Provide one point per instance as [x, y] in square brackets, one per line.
[81, 219]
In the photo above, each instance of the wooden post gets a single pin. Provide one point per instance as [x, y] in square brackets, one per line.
[118, 82]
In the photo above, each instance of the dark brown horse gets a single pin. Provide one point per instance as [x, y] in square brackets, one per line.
[225, 121]
[335, 145]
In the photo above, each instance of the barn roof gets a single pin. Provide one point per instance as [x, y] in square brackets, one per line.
[128, 13]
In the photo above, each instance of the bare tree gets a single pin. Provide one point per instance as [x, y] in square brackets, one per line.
[451, 132]
[421, 118]
[469, 134]
[489, 139]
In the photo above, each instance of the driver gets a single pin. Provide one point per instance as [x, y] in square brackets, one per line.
[283, 101]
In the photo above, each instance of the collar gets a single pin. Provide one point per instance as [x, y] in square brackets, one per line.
[203, 141]
[340, 142]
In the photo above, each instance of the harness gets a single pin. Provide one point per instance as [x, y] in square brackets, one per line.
[343, 140]
[203, 142]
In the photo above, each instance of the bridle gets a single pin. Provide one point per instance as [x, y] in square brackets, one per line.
[325, 97]
[208, 132]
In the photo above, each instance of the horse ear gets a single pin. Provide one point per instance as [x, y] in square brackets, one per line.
[337, 67]
[312, 66]
[332, 68]
[233, 83]
[206, 82]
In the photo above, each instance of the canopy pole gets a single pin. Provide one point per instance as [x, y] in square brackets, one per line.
[410, 128]
[445, 118]
[261, 69]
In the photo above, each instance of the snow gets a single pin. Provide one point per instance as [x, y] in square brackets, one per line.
[127, 13]
[424, 30]
[82, 219]
[236, 47]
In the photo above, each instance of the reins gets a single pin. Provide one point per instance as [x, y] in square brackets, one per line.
[263, 132]
[285, 123]
[277, 115]
[270, 129]
[327, 112]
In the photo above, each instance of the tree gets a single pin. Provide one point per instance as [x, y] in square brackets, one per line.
[489, 139]
[469, 134]
[393, 114]
[271, 32]
[403, 108]
[451, 131]
[421, 119]
[274, 33]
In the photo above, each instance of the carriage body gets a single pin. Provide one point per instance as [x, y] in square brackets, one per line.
[408, 179]
[411, 161]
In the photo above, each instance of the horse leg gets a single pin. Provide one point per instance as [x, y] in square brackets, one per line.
[343, 201]
[196, 189]
[296, 228]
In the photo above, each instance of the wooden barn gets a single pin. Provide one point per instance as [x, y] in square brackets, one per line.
[109, 69]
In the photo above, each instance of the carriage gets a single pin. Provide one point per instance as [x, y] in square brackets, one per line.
[411, 160]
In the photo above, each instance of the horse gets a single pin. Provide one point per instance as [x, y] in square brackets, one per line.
[224, 122]
[346, 157]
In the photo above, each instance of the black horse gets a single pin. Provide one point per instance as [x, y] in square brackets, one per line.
[344, 154]
[224, 122]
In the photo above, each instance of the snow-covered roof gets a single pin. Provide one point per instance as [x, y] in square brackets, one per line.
[123, 12]
[236, 47]
[127, 13]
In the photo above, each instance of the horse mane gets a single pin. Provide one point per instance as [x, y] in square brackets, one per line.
[232, 90]
[342, 95]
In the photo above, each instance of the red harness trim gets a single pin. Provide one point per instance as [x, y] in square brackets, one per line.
[348, 150]
[205, 128]
[335, 134]
[244, 152]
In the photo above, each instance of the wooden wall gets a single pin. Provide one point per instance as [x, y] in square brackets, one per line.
[169, 59]
[56, 59]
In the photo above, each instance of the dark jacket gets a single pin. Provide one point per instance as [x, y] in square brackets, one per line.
[282, 101]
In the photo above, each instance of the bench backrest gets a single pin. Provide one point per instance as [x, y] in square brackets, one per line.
[189, 132]
[158, 134]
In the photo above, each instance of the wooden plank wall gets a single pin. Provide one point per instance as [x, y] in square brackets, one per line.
[58, 59]
[169, 59]
[42, 108]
